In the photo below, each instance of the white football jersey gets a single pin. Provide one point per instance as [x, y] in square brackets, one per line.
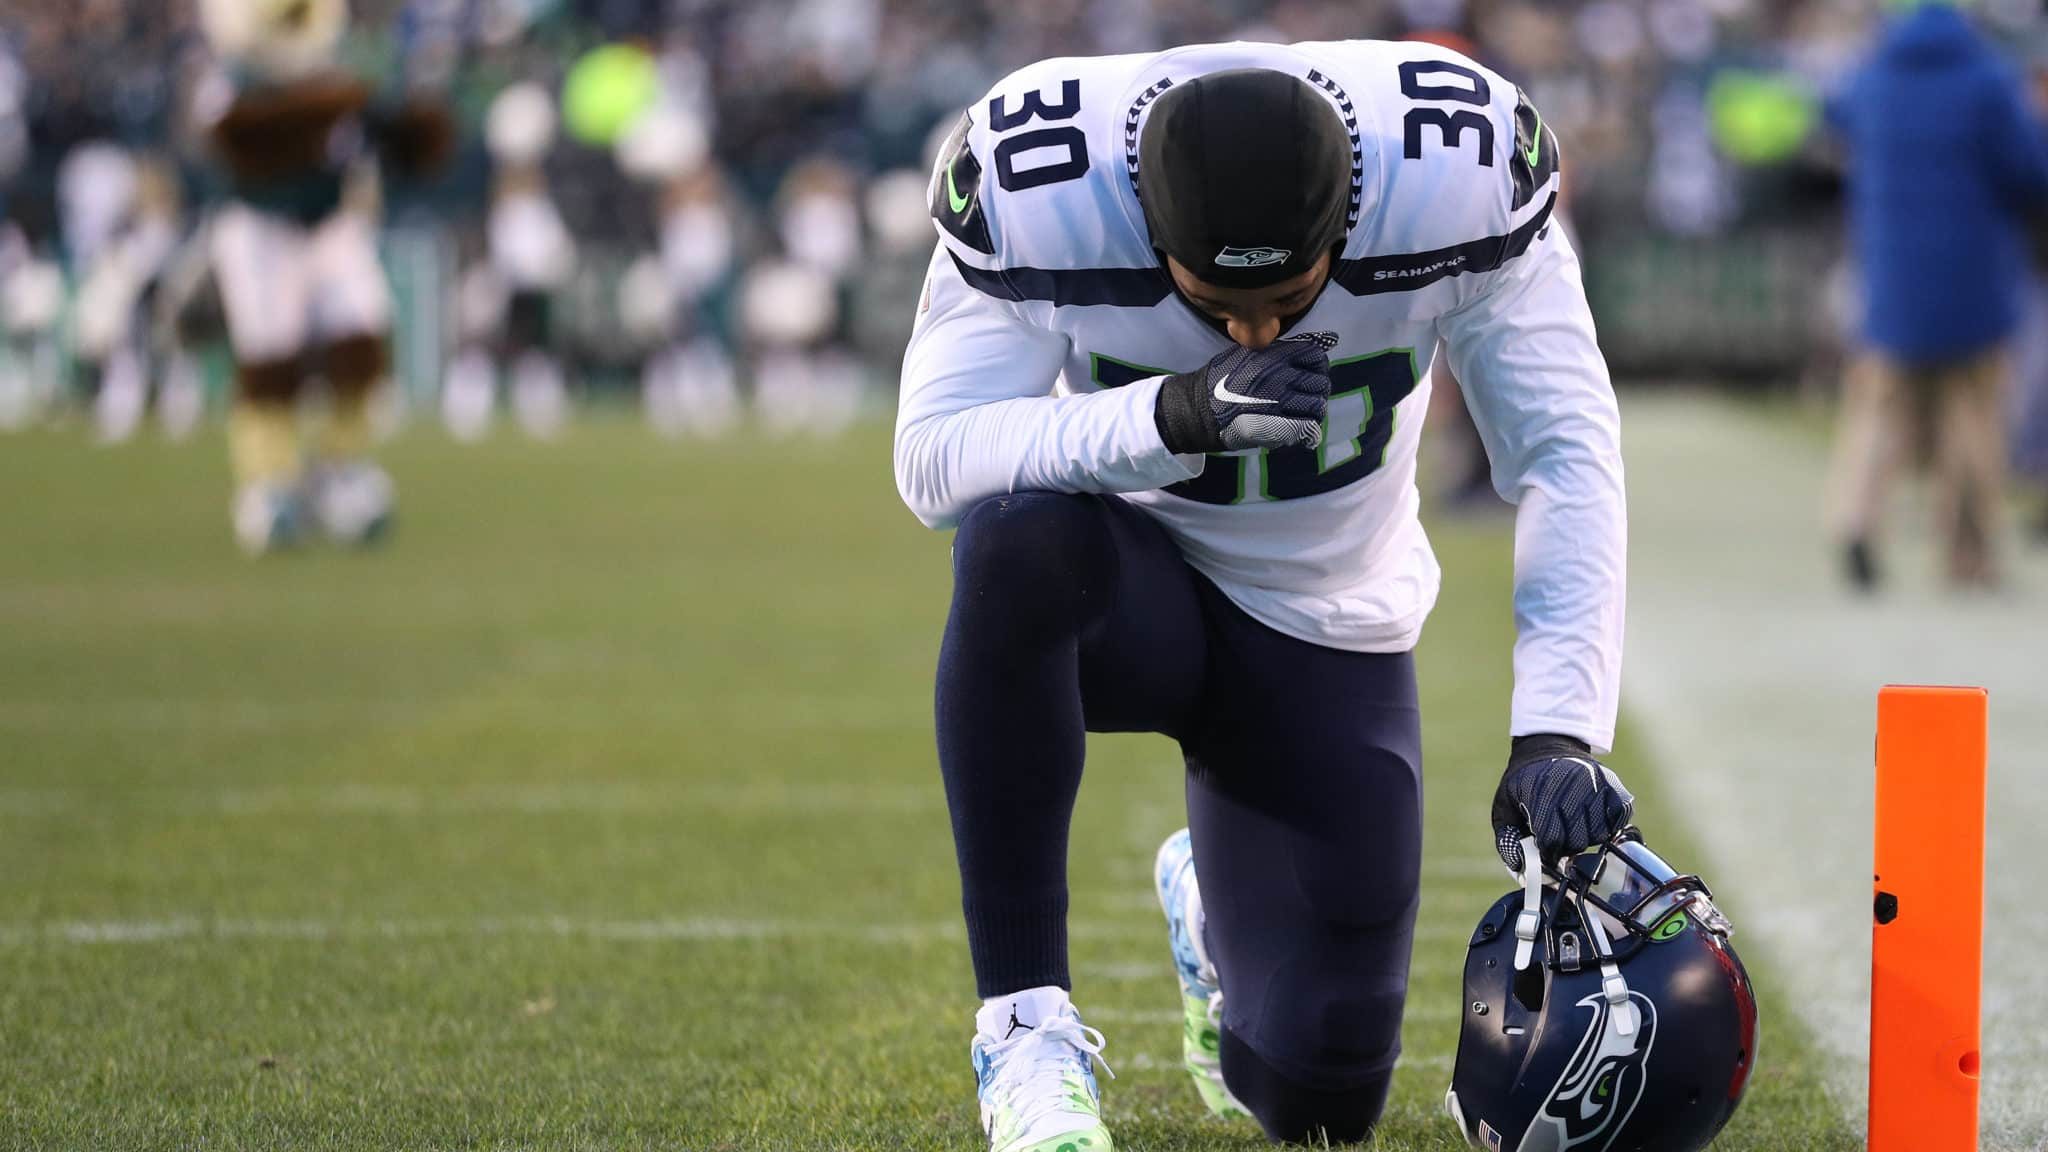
[1047, 323]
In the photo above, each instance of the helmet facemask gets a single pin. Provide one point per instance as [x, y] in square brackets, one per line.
[1627, 894]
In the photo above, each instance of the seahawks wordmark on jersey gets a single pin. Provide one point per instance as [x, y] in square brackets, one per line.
[1036, 365]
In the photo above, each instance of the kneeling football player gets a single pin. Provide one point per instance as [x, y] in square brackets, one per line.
[1167, 380]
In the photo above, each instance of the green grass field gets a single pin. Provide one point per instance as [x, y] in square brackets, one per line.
[599, 811]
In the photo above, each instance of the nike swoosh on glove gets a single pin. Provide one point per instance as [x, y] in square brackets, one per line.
[1271, 397]
[1554, 791]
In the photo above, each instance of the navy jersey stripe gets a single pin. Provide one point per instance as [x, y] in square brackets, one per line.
[1146, 287]
[1116, 287]
[1370, 275]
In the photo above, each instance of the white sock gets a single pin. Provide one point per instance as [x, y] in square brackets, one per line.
[1003, 1016]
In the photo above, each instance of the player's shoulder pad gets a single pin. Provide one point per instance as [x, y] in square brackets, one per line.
[1468, 170]
[1533, 157]
[1033, 176]
[955, 192]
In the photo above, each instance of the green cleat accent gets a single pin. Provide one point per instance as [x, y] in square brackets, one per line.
[1201, 1050]
[1007, 1128]
[1094, 1139]
[1173, 876]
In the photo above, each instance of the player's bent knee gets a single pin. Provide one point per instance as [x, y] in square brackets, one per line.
[1031, 547]
[1319, 1047]
[1030, 513]
[1339, 1036]
[1306, 1106]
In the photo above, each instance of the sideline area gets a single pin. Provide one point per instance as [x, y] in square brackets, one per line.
[1753, 676]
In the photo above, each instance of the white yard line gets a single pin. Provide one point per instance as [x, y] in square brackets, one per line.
[1414, 1014]
[623, 797]
[1434, 872]
[1132, 973]
[1756, 677]
[693, 928]
[557, 715]
[151, 930]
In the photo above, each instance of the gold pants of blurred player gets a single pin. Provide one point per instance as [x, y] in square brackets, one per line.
[1883, 402]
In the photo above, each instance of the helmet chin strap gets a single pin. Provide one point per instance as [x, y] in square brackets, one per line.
[1529, 921]
[1530, 918]
[1621, 1009]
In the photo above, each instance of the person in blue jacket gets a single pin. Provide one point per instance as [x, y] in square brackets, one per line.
[1946, 163]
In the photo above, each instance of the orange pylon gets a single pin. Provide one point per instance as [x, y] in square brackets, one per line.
[1927, 939]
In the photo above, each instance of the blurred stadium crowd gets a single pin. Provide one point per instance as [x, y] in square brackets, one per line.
[732, 205]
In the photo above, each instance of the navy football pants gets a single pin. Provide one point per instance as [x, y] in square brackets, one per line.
[1075, 613]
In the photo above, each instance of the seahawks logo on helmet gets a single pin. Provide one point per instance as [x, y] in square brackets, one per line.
[1601, 1085]
[1251, 257]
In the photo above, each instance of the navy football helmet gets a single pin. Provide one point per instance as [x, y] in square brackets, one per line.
[1604, 1011]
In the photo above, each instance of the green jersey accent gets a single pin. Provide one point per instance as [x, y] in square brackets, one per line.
[1535, 158]
[960, 210]
[954, 199]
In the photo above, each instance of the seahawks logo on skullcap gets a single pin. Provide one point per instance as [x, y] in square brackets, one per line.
[1251, 257]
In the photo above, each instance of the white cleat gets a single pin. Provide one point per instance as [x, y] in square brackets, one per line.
[123, 399]
[266, 518]
[353, 503]
[540, 398]
[469, 397]
[1033, 1060]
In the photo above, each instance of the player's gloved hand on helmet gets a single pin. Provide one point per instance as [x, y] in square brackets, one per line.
[1554, 791]
[1271, 397]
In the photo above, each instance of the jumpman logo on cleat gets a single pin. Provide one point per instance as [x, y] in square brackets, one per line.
[1015, 1024]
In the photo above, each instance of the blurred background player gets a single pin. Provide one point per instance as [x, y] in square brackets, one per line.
[295, 251]
[508, 297]
[96, 193]
[31, 307]
[805, 375]
[2030, 358]
[1946, 161]
[688, 380]
[121, 228]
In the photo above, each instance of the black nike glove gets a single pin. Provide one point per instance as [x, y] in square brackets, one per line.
[1554, 791]
[1271, 397]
